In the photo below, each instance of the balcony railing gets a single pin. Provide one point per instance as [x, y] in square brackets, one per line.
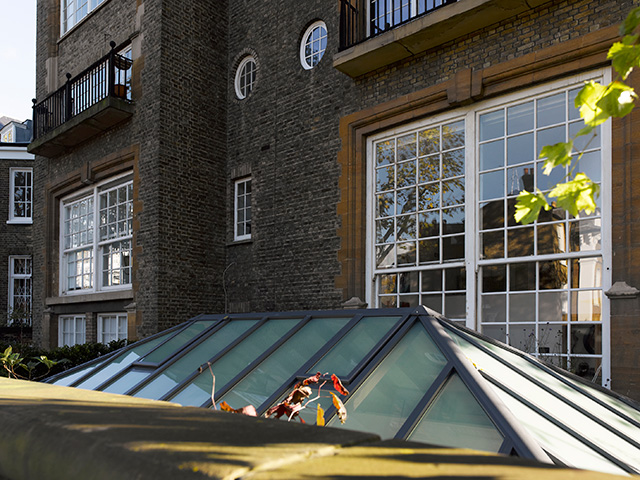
[364, 19]
[108, 77]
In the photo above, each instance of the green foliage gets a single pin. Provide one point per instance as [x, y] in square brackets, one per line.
[597, 104]
[42, 363]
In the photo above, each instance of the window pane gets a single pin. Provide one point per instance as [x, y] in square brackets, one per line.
[354, 346]
[268, 377]
[410, 368]
[201, 354]
[163, 352]
[456, 419]
[234, 361]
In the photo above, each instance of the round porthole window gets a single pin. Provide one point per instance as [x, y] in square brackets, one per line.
[314, 43]
[245, 77]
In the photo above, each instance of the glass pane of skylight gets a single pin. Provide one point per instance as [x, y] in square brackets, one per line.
[354, 346]
[122, 361]
[553, 403]
[270, 375]
[560, 444]
[390, 393]
[177, 372]
[571, 394]
[234, 361]
[456, 419]
[125, 383]
[69, 379]
[177, 342]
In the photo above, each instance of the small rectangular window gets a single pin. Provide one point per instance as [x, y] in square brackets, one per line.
[242, 209]
[112, 326]
[19, 290]
[72, 330]
[20, 195]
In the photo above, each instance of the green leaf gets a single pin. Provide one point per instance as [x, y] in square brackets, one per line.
[625, 55]
[558, 154]
[585, 131]
[529, 205]
[587, 100]
[576, 195]
[618, 100]
[631, 22]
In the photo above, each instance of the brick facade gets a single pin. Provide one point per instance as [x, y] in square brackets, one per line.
[301, 137]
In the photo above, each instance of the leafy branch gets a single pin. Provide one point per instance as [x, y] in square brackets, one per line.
[12, 362]
[597, 103]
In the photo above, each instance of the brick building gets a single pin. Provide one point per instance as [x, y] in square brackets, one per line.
[16, 201]
[210, 156]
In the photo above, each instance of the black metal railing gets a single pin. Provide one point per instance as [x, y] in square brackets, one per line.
[108, 77]
[364, 19]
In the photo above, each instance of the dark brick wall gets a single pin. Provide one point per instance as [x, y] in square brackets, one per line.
[15, 239]
[174, 143]
[286, 132]
[190, 138]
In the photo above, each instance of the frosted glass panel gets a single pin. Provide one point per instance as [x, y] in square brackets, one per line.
[234, 361]
[355, 345]
[177, 372]
[270, 375]
[456, 419]
[410, 368]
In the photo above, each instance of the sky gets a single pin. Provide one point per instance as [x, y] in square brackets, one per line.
[17, 58]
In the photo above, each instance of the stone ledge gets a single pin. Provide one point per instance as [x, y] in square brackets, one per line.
[51, 433]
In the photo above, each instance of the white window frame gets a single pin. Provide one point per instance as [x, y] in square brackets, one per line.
[28, 201]
[473, 262]
[27, 277]
[244, 90]
[305, 59]
[93, 248]
[245, 209]
[121, 327]
[78, 330]
[72, 12]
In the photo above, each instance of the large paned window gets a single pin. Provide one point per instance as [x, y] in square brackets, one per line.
[71, 330]
[442, 234]
[96, 231]
[20, 195]
[20, 290]
[112, 326]
[73, 11]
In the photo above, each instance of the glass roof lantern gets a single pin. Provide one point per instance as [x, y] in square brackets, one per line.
[411, 374]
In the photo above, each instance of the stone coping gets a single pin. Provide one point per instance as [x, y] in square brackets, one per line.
[50, 432]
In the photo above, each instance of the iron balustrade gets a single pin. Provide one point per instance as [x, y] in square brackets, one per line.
[364, 19]
[108, 77]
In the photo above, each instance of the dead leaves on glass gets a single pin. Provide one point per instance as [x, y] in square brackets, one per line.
[298, 399]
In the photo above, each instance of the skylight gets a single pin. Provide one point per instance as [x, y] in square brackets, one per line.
[412, 375]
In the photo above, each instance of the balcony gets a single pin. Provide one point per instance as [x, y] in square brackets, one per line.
[377, 33]
[85, 106]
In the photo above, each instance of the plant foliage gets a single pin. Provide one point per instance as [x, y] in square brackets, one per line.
[597, 104]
